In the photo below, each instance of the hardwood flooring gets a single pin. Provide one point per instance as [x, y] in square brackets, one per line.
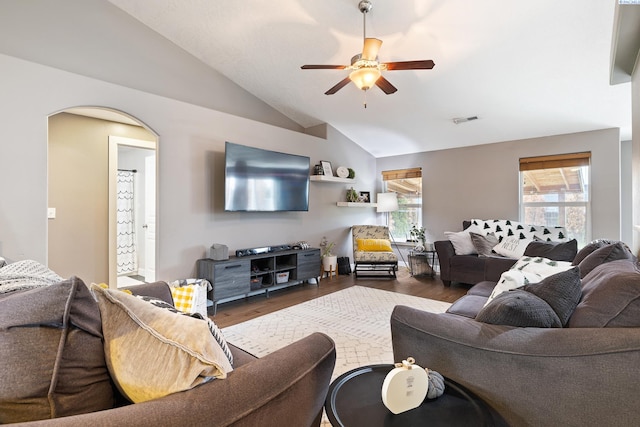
[241, 310]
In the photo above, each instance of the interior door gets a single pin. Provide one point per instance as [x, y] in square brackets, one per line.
[150, 218]
[114, 142]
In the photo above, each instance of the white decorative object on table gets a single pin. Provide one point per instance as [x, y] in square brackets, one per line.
[405, 387]
[342, 172]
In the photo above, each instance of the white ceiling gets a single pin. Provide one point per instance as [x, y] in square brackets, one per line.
[525, 68]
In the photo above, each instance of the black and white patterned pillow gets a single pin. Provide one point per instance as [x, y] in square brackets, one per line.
[506, 228]
[213, 328]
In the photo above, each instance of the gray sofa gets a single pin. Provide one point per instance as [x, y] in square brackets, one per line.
[469, 269]
[286, 387]
[474, 268]
[583, 374]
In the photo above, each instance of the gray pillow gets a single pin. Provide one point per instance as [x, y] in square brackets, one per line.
[484, 243]
[557, 251]
[608, 253]
[562, 291]
[590, 248]
[53, 361]
[610, 297]
[521, 309]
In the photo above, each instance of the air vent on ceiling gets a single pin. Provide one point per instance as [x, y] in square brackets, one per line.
[459, 120]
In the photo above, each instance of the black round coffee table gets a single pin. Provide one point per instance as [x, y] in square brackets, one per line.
[355, 400]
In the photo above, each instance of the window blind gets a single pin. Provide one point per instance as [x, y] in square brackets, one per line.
[402, 174]
[555, 161]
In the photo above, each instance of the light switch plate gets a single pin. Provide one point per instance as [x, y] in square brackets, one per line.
[51, 213]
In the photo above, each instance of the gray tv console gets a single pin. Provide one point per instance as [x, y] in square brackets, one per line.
[249, 275]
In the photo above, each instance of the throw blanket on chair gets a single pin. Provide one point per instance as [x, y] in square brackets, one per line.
[27, 274]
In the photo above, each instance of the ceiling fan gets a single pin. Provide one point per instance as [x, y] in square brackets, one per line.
[366, 69]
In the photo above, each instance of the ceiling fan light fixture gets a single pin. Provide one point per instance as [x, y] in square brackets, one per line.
[366, 70]
[365, 78]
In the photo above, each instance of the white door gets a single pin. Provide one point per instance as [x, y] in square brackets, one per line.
[150, 218]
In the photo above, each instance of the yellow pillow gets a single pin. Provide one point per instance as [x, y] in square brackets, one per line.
[105, 286]
[184, 298]
[374, 245]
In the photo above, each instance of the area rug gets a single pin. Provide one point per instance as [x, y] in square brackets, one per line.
[356, 318]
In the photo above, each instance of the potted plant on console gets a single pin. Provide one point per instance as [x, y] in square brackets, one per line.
[418, 235]
[329, 260]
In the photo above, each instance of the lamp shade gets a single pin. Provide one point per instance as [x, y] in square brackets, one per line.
[365, 77]
[387, 202]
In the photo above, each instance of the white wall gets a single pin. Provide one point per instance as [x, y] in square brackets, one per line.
[190, 170]
[482, 181]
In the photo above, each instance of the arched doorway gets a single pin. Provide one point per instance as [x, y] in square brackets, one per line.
[82, 192]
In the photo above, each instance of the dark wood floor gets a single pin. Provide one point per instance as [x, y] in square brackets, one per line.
[423, 286]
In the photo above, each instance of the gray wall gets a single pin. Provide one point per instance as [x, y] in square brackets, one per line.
[482, 181]
[190, 170]
[95, 38]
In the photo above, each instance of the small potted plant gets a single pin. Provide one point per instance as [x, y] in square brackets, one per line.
[352, 195]
[329, 260]
[418, 234]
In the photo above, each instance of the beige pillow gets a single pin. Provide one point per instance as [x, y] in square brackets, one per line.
[152, 352]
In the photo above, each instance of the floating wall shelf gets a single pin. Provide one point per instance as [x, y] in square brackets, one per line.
[357, 205]
[325, 178]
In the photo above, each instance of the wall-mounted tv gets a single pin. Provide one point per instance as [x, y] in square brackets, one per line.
[264, 181]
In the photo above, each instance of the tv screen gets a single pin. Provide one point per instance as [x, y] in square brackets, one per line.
[264, 181]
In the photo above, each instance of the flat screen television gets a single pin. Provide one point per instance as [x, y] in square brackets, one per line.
[264, 181]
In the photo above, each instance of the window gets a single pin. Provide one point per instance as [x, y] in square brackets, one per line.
[407, 184]
[554, 191]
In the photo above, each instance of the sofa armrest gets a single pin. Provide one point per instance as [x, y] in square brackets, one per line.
[531, 376]
[444, 249]
[286, 387]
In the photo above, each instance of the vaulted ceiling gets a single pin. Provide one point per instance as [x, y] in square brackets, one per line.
[525, 68]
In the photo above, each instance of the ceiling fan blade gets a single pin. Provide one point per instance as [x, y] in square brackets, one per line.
[339, 86]
[371, 48]
[385, 85]
[426, 64]
[323, 67]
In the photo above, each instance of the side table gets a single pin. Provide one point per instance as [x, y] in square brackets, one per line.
[354, 399]
[422, 262]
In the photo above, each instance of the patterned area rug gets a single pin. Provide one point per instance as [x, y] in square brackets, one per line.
[356, 318]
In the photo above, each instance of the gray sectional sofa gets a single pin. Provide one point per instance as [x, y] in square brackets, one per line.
[54, 370]
[583, 374]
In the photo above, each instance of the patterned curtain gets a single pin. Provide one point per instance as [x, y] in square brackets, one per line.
[127, 256]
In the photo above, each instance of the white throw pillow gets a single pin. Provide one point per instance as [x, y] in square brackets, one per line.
[512, 247]
[527, 270]
[461, 241]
